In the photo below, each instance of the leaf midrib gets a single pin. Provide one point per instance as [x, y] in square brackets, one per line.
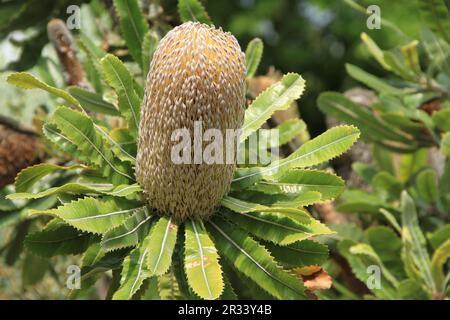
[252, 259]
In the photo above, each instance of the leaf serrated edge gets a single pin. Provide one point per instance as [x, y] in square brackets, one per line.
[273, 260]
[118, 226]
[313, 170]
[272, 168]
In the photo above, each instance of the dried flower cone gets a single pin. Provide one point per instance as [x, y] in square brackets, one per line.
[18, 150]
[197, 74]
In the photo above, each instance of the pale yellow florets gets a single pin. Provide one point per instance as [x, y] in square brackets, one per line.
[197, 74]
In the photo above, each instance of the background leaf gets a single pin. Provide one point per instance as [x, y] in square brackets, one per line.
[133, 26]
[435, 15]
[253, 55]
[193, 10]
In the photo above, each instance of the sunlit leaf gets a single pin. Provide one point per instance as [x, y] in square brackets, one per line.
[201, 262]
[254, 261]
[133, 26]
[134, 272]
[163, 237]
[27, 81]
[277, 97]
[93, 215]
[322, 148]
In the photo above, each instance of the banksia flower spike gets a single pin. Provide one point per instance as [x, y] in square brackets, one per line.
[19, 148]
[197, 74]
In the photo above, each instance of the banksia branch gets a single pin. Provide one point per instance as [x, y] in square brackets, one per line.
[197, 74]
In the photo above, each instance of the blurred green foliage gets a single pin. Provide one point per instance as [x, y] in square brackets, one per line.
[312, 37]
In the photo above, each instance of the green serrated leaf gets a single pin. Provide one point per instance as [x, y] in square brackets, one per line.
[134, 272]
[241, 206]
[253, 55]
[130, 232]
[73, 188]
[193, 10]
[61, 141]
[91, 145]
[297, 181]
[93, 215]
[163, 237]
[279, 228]
[125, 147]
[414, 240]
[201, 262]
[277, 97]
[91, 101]
[149, 46]
[57, 238]
[29, 176]
[120, 79]
[81, 188]
[254, 261]
[25, 80]
[133, 26]
[299, 254]
[322, 148]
